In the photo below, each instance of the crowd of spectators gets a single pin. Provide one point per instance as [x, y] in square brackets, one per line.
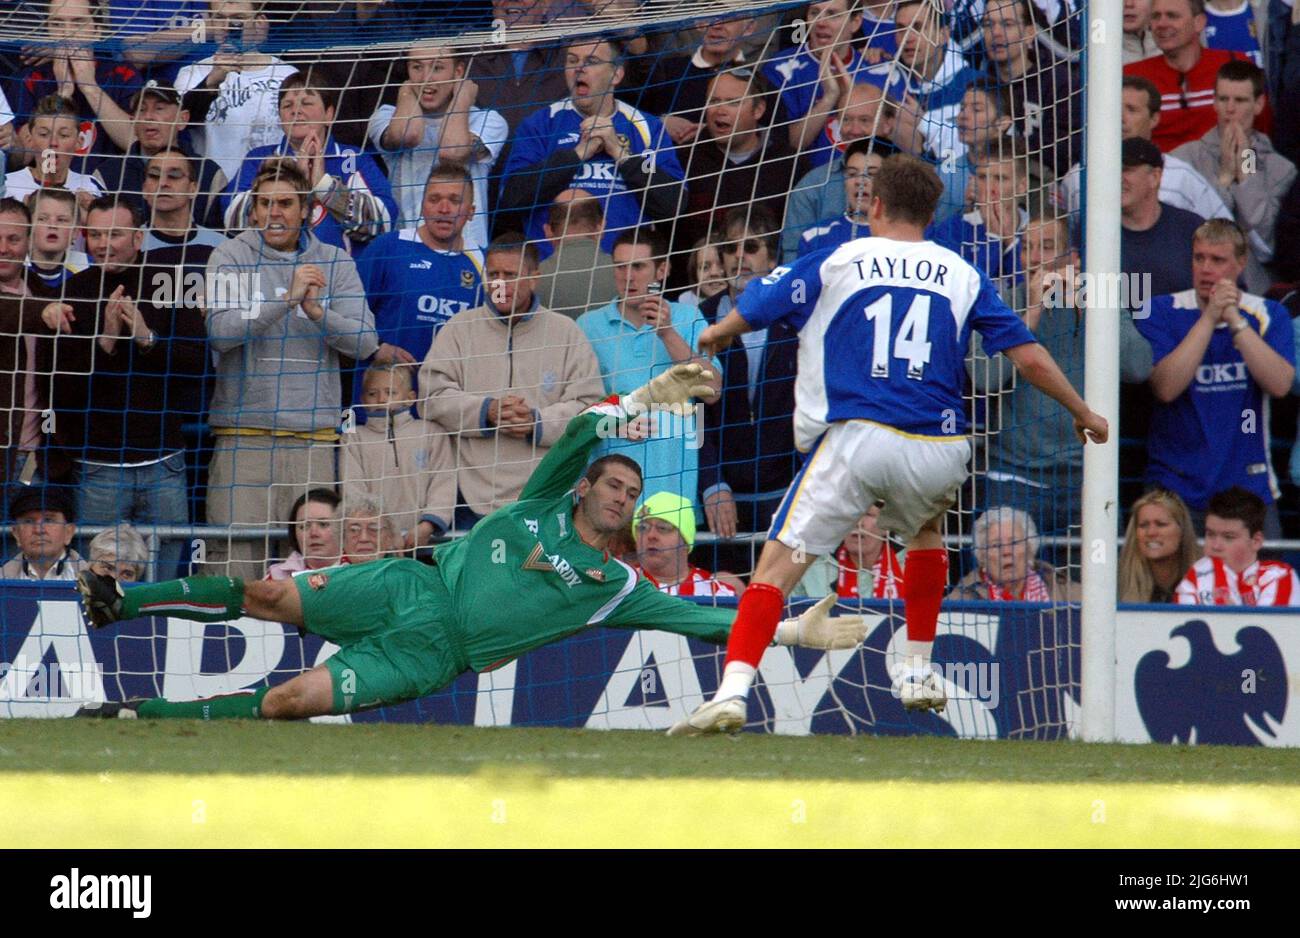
[247, 283]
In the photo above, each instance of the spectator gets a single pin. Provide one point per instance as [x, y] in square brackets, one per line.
[677, 86]
[1180, 184]
[868, 113]
[665, 536]
[233, 94]
[44, 524]
[1241, 164]
[1046, 95]
[1287, 231]
[362, 79]
[748, 456]
[122, 353]
[314, 535]
[861, 163]
[937, 75]
[172, 237]
[51, 137]
[813, 79]
[349, 186]
[398, 460]
[880, 30]
[1231, 573]
[1035, 462]
[1139, 43]
[119, 552]
[417, 279]
[1219, 355]
[1155, 239]
[818, 197]
[276, 403]
[592, 142]
[54, 222]
[983, 122]
[368, 532]
[436, 121]
[1184, 72]
[1159, 547]
[157, 35]
[1235, 26]
[20, 400]
[1007, 564]
[637, 337]
[733, 162]
[704, 274]
[866, 565]
[523, 74]
[161, 124]
[989, 234]
[578, 276]
[505, 378]
[98, 91]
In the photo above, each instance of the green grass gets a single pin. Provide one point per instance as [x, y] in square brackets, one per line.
[119, 784]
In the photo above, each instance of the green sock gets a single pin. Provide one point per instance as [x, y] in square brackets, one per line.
[226, 707]
[200, 598]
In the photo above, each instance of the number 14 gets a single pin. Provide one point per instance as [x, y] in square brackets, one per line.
[910, 344]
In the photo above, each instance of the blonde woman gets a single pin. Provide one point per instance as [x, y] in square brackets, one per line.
[1159, 547]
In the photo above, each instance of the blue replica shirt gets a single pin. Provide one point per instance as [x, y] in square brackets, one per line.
[884, 327]
[413, 290]
[829, 237]
[793, 73]
[629, 357]
[967, 235]
[555, 128]
[1206, 440]
[1235, 31]
[357, 169]
[880, 34]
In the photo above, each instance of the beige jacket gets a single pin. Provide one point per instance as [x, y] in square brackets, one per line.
[405, 463]
[479, 356]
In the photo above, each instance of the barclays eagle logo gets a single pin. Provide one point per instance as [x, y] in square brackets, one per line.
[1235, 699]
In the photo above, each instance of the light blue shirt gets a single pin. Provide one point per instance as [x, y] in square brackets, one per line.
[629, 357]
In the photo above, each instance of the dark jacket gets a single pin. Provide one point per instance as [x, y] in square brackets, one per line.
[121, 408]
[19, 318]
[750, 447]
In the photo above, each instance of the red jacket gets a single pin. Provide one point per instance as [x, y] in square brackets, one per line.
[1187, 101]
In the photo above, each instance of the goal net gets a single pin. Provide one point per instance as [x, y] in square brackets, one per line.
[336, 275]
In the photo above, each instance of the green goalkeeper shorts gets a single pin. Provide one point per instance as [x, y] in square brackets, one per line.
[393, 622]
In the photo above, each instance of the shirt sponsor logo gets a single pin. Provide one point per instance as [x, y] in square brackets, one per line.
[317, 581]
[553, 562]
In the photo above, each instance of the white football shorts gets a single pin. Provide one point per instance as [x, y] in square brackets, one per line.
[857, 463]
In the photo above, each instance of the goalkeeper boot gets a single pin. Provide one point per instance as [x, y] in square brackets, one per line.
[101, 598]
[111, 710]
[920, 690]
[716, 716]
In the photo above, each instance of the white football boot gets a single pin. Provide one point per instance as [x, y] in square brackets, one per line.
[716, 716]
[919, 689]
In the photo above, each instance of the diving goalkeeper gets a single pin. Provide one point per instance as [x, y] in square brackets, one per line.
[528, 574]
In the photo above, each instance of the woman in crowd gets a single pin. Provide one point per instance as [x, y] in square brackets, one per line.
[1159, 548]
[313, 535]
[1008, 568]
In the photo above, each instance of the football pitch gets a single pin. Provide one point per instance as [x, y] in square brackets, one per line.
[186, 784]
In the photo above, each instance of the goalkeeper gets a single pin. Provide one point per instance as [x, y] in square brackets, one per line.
[528, 574]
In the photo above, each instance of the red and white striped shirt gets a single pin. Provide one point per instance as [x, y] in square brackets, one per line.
[1264, 583]
[697, 582]
[886, 575]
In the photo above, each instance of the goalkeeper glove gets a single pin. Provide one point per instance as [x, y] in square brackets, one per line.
[816, 628]
[674, 388]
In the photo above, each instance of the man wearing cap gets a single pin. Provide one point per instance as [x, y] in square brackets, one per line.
[665, 535]
[43, 525]
[1156, 238]
[160, 123]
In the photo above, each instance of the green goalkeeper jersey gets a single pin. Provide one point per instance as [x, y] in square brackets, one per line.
[523, 577]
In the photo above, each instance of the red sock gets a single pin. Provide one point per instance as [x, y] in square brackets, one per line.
[760, 611]
[925, 576]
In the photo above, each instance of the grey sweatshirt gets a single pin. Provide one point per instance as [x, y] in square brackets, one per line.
[276, 368]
